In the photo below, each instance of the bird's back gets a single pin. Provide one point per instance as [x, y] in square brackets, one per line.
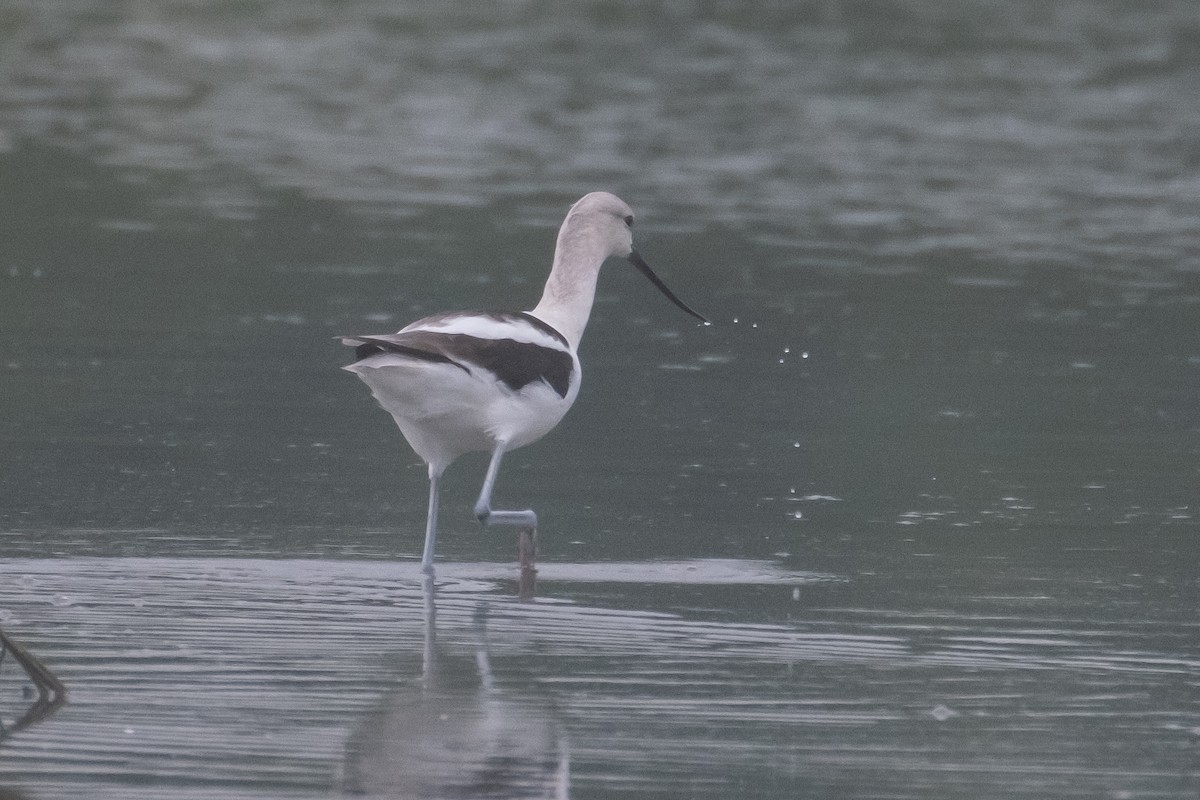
[463, 381]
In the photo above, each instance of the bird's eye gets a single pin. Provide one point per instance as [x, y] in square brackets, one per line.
[629, 220]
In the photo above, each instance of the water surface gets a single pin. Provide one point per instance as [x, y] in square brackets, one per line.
[259, 678]
[915, 518]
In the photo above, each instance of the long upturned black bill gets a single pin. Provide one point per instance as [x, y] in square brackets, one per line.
[644, 268]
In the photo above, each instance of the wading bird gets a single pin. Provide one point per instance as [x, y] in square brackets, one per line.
[469, 380]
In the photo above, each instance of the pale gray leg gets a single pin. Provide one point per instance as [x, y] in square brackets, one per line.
[431, 523]
[483, 507]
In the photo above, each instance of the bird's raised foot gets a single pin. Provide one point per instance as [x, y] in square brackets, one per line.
[524, 519]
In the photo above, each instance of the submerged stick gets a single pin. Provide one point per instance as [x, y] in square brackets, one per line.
[526, 557]
[48, 686]
[52, 692]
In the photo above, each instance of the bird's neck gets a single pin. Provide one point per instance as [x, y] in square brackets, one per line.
[570, 290]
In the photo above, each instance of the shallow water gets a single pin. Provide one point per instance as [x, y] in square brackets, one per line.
[251, 677]
[916, 517]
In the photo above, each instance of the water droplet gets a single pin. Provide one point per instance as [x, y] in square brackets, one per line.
[942, 713]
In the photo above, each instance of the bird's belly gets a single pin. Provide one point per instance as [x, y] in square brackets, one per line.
[523, 417]
[443, 411]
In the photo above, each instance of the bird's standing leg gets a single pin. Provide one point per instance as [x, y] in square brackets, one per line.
[483, 507]
[431, 522]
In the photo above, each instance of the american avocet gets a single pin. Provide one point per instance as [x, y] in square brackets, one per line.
[469, 380]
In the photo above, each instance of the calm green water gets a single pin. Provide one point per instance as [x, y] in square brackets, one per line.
[915, 518]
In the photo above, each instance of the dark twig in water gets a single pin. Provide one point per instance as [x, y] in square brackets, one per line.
[526, 556]
[52, 693]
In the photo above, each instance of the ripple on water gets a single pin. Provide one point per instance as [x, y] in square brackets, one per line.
[253, 676]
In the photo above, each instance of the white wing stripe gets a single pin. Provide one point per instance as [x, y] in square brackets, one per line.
[488, 327]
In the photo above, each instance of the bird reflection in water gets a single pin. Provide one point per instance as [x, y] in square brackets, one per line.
[456, 734]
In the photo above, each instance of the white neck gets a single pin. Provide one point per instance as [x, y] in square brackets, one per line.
[566, 302]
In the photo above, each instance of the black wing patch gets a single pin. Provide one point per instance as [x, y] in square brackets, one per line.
[515, 364]
[518, 364]
[374, 345]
